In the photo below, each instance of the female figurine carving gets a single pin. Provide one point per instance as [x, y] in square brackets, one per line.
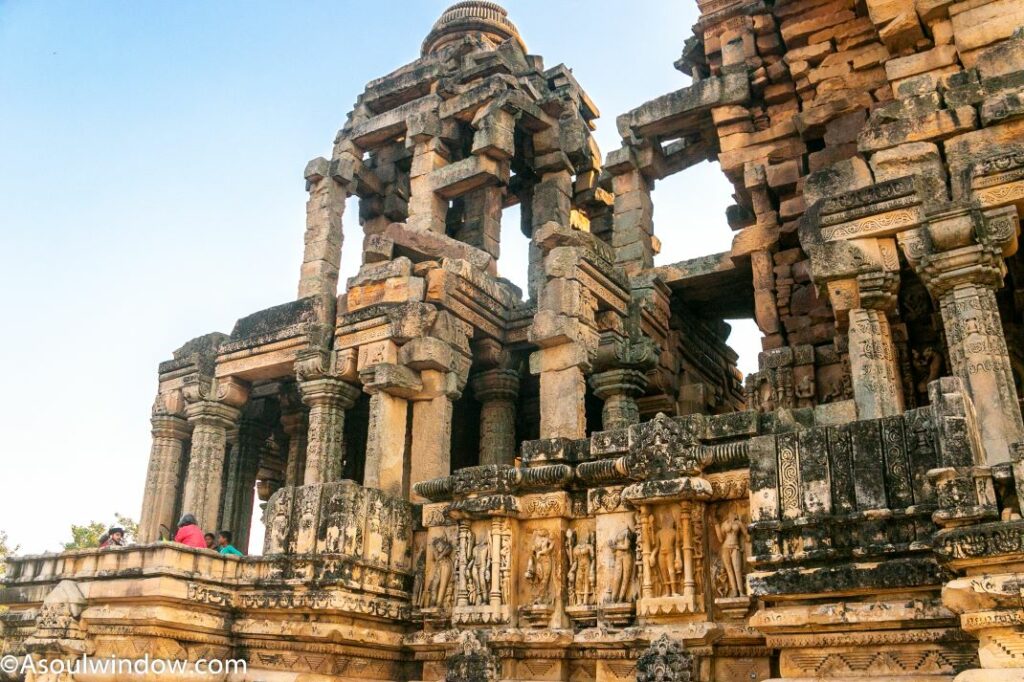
[731, 533]
[480, 570]
[666, 555]
[581, 569]
[441, 574]
[622, 558]
[538, 568]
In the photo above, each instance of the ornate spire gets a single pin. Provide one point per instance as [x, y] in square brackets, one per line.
[472, 16]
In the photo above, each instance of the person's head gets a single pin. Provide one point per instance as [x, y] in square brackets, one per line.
[224, 538]
[116, 535]
[209, 540]
[187, 520]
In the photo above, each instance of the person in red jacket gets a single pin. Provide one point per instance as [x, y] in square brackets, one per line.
[189, 533]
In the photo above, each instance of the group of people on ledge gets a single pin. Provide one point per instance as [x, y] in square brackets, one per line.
[189, 534]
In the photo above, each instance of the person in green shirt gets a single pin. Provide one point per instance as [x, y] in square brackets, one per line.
[224, 545]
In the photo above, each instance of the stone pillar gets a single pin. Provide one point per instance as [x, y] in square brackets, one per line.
[959, 255]
[686, 541]
[164, 477]
[295, 426]
[462, 552]
[645, 524]
[633, 230]
[481, 224]
[562, 397]
[386, 466]
[964, 282]
[325, 207]
[497, 391]
[432, 429]
[496, 532]
[427, 210]
[874, 365]
[240, 484]
[978, 355]
[619, 389]
[875, 375]
[204, 483]
[327, 398]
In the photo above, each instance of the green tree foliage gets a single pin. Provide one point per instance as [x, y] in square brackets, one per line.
[6, 550]
[84, 537]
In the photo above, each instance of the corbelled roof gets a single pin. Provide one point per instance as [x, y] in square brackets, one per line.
[471, 16]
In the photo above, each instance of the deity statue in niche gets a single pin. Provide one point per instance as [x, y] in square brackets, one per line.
[732, 534]
[441, 574]
[480, 571]
[621, 545]
[582, 576]
[332, 542]
[666, 559]
[805, 391]
[278, 532]
[928, 364]
[539, 566]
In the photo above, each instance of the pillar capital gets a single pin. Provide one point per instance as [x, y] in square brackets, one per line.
[962, 245]
[329, 390]
[614, 382]
[227, 391]
[976, 264]
[879, 290]
[393, 379]
[212, 413]
[619, 389]
[170, 426]
[495, 384]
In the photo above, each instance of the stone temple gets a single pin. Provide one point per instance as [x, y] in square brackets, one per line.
[463, 481]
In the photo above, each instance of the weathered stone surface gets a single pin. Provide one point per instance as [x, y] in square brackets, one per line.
[463, 485]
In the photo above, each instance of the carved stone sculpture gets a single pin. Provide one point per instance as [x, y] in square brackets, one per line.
[666, 559]
[425, 438]
[582, 568]
[622, 586]
[928, 364]
[665, 661]
[805, 391]
[480, 571]
[472, 662]
[439, 585]
[732, 533]
[539, 567]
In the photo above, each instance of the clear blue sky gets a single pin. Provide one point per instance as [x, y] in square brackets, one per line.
[151, 164]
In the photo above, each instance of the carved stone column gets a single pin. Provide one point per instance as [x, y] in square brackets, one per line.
[432, 427]
[497, 526]
[874, 367]
[324, 210]
[213, 409]
[164, 477]
[619, 389]
[295, 426]
[327, 398]
[390, 387]
[686, 543]
[563, 389]
[427, 210]
[497, 391]
[634, 224]
[240, 484]
[964, 281]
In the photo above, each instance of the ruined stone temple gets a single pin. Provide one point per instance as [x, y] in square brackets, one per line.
[463, 481]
